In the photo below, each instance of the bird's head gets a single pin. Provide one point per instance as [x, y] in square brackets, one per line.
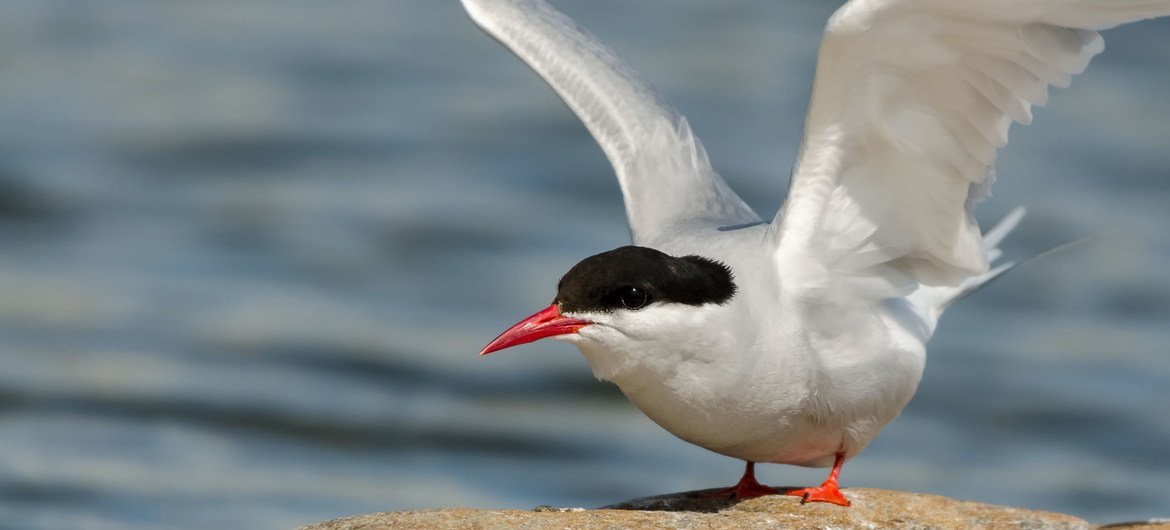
[628, 302]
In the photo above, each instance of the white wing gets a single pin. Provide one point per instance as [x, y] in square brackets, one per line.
[912, 99]
[663, 171]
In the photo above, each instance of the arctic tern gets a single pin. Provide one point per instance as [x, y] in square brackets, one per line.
[795, 341]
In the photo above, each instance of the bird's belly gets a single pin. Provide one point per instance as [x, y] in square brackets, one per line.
[777, 433]
[770, 417]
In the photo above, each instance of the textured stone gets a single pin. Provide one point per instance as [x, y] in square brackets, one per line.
[1152, 524]
[872, 509]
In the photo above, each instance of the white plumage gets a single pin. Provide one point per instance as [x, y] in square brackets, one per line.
[825, 341]
[911, 101]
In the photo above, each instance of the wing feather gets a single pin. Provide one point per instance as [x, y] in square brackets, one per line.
[663, 171]
[912, 100]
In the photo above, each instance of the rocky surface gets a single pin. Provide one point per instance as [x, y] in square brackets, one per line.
[872, 508]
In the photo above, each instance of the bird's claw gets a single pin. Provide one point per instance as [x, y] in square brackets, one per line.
[824, 493]
[747, 488]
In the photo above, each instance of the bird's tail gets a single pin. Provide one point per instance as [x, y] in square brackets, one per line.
[934, 300]
[930, 302]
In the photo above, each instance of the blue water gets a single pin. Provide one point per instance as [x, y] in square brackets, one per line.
[249, 249]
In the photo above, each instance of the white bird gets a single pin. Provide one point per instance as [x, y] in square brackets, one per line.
[796, 341]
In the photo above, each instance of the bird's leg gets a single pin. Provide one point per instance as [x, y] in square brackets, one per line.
[747, 488]
[826, 492]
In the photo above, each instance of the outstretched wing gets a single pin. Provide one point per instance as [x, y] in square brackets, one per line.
[912, 100]
[664, 174]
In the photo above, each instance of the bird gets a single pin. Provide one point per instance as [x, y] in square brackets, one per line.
[796, 340]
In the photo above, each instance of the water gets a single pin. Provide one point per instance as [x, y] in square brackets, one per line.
[249, 249]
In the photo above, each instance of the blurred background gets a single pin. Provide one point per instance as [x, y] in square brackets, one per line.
[249, 249]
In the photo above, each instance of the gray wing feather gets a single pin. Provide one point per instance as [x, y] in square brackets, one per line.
[666, 179]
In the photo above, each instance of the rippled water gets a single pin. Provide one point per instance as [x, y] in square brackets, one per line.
[248, 250]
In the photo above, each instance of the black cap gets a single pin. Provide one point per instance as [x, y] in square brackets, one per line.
[633, 277]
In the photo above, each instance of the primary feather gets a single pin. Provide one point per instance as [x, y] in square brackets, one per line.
[912, 99]
[648, 143]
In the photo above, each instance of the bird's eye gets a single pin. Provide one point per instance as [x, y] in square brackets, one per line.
[634, 298]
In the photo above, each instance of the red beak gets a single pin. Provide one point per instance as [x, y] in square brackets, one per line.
[546, 323]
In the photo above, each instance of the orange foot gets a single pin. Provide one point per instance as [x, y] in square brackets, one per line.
[823, 493]
[827, 492]
[747, 488]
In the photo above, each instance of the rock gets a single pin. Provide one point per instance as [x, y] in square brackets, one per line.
[1152, 524]
[872, 508]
